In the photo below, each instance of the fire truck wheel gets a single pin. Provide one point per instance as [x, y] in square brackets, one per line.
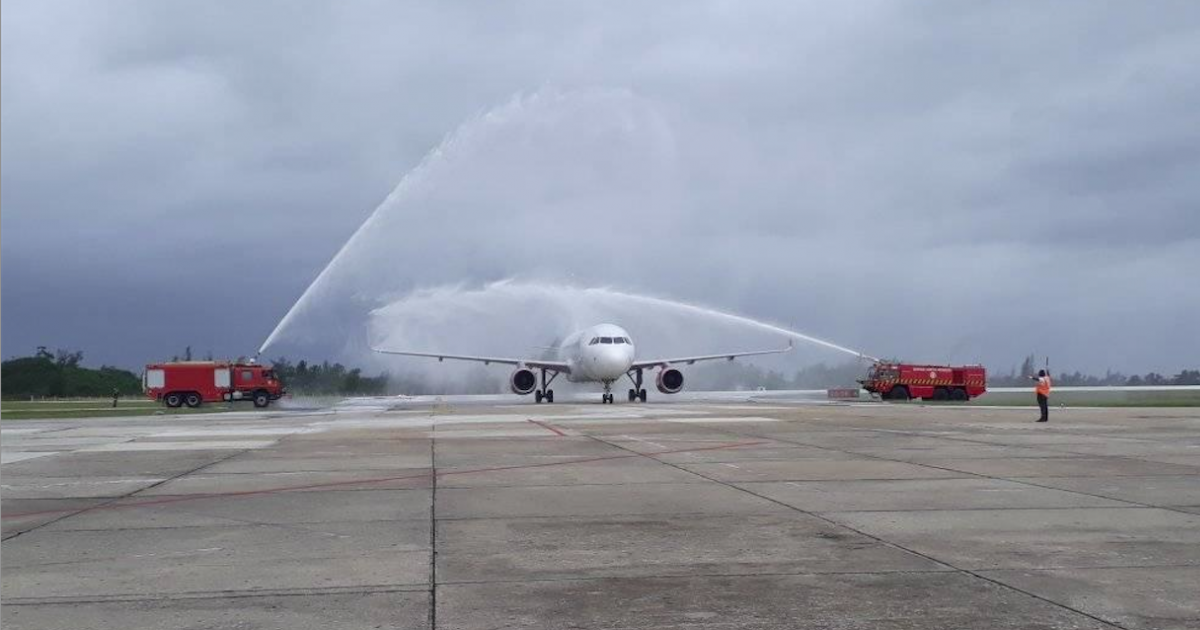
[192, 399]
[173, 399]
[941, 393]
[959, 394]
[261, 399]
[900, 392]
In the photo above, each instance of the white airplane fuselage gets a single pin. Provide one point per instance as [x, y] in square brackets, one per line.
[599, 354]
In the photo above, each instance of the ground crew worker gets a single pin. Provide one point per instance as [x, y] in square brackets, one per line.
[1043, 394]
[116, 395]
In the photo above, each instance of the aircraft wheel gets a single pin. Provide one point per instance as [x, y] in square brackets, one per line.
[632, 395]
[642, 395]
[537, 396]
[549, 395]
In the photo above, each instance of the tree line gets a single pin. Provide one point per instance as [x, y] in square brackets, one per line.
[741, 376]
[1029, 367]
[324, 378]
[59, 375]
[327, 378]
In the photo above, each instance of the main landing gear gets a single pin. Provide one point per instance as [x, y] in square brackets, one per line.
[637, 393]
[544, 393]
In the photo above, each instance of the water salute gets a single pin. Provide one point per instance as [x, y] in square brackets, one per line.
[475, 316]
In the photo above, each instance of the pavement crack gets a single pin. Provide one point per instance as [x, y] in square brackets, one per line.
[127, 495]
[882, 541]
[433, 537]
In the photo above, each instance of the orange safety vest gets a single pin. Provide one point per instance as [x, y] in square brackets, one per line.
[1043, 386]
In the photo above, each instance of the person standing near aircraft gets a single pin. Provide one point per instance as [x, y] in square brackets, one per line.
[1043, 394]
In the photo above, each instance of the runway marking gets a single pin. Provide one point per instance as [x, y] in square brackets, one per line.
[20, 456]
[548, 427]
[724, 420]
[177, 553]
[178, 446]
[358, 482]
[750, 407]
[236, 431]
[515, 432]
[78, 483]
[638, 439]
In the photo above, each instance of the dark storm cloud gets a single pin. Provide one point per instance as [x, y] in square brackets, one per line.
[989, 178]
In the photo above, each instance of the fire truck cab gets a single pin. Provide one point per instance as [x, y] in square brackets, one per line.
[193, 383]
[904, 381]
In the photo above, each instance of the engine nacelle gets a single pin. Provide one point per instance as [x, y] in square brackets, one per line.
[522, 381]
[670, 381]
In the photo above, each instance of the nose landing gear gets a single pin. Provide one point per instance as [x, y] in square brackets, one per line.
[607, 397]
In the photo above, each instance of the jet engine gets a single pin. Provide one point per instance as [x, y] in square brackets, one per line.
[522, 381]
[670, 381]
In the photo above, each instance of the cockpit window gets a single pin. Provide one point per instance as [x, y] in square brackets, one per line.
[627, 340]
[606, 340]
[594, 341]
[618, 340]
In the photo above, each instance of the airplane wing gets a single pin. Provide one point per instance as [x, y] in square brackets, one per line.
[728, 356]
[555, 366]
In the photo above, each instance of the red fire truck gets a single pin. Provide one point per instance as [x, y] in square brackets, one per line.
[903, 381]
[194, 382]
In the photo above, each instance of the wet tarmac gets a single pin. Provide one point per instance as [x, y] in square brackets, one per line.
[703, 514]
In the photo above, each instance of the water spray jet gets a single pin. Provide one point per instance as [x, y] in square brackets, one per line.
[448, 316]
[577, 155]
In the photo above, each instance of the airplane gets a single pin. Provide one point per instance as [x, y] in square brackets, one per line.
[599, 354]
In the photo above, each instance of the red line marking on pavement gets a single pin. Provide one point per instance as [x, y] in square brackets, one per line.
[548, 427]
[358, 482]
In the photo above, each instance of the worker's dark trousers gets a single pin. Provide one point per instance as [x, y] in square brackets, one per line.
[1044, 404]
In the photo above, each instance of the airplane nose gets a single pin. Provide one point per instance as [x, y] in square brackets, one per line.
[612, 362]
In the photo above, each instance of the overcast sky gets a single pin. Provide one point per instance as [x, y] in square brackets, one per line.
[930, 180]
